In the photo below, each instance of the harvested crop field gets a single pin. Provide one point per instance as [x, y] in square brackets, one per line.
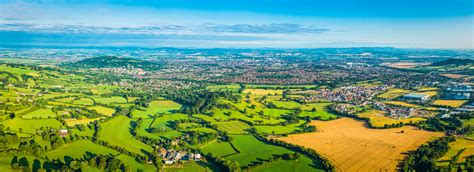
[353, 147]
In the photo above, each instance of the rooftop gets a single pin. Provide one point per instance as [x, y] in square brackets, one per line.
[415, 95]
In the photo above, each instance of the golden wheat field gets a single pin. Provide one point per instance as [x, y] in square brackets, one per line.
[353, 147]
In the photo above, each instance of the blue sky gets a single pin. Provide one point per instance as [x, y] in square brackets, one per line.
[239, 23]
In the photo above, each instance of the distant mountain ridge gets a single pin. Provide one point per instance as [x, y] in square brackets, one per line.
[114, 62]
[453, 61]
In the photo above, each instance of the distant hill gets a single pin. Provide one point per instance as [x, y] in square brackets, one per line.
[114, 62]
[456, 62]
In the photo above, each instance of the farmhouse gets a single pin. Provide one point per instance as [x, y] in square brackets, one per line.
[416, 96]
[172, 156]
[63, 132]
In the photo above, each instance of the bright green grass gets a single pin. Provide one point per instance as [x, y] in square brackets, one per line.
[252, 149]
[134, 165]
[163, 123]
[78, 149]
[110, 100]
[80, 101]
[228, 87]
[5, 164]
[276, 112]
[220, 116]
[468, 122]
[86, 132]
[320, 112]
[117, 132]
[84, 102]
[201, 129]
[278, 129]
[104, 89]
[233, 127]
[286, 104]
[30, 125]
[40, 113]
[157, 106]
[218, 148]
[192, 166]
[103, 110]
[303, 163]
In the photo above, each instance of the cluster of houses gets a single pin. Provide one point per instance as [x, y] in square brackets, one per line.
[358, 95]
[399, 112]
[467, 108]
[173, 156]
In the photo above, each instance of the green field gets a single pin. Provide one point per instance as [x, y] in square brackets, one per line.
[233, 127]
[157, 106]
[133, 164]
[277, 129]
[162, 123]
[286, 104]
[303, 163]
[103, 110]
[218, 148]
[117, 132]
[40, 113]
[110, 100]
[78, 149]
[252, 149]
[30, 125]
[321, 111]
[228, 87]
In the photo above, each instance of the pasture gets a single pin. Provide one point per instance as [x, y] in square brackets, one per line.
[303, 163]
[262, 92]
[219, 148]
[353, 147]
[30, 125]
[321, 111]
[285, 104]
[134, 165]
[103, 110]
[72, 121]
[40, 113]
[233, 127]
[117, 132]
[228, 87]
[78, 149]
[157, 106]
[277, 129]
[110, 100]
[252, 149]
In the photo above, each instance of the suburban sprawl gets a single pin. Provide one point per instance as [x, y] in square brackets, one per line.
[172, 109]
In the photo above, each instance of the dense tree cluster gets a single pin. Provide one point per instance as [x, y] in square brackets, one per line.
[425, 157]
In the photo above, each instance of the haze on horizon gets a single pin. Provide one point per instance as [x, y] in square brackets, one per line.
[239, 23]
